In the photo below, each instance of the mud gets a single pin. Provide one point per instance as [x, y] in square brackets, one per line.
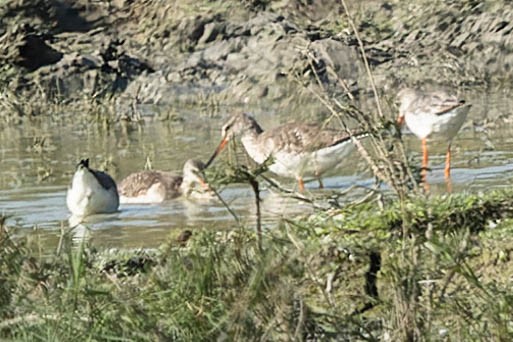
[145, 52]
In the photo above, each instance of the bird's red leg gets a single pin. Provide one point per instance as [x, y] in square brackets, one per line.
[424, 164]
[301, 184]
[447, 172]
[448, 163]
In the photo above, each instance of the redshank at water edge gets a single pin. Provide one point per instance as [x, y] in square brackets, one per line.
[297, 149]
[91, 192]
[432, 115]
[157, 186]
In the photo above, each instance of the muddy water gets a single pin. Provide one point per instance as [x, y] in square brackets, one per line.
[38, 160]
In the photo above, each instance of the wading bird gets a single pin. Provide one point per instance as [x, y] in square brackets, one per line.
[297, 150]
[432, 115]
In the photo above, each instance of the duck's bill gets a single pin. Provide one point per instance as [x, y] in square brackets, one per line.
[219, 148]
[400, 121]
[204, 184]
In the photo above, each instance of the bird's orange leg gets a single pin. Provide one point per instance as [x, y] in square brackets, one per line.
[301, 184]
[423, 171]
[448, 163]
[447, 172]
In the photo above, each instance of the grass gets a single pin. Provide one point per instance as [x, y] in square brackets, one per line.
[420, 268]
[347, 274]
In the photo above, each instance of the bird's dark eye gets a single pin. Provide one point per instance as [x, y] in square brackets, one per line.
[83, 163]
[226, 128]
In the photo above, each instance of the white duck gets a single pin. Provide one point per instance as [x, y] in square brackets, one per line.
[91, 192]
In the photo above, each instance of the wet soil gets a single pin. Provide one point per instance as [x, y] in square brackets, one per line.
[224, 53]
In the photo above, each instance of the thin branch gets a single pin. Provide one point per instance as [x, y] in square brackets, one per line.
[364, 56]
[227, 206]
[254, 185]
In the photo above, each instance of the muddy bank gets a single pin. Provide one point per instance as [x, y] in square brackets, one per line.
[224, 53]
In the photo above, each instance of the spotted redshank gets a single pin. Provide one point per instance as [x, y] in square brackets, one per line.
[298, 150]
[91, 192]
[158, 186]
[432, 115]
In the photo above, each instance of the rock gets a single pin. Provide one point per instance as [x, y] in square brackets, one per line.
[76, 75]
[210, 32]
[34, 53]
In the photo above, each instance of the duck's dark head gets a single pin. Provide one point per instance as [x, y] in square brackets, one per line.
[83, 164]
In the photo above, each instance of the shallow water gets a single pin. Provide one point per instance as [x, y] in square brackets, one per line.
[38, 160]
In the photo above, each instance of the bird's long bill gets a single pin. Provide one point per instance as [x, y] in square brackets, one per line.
[219, 148]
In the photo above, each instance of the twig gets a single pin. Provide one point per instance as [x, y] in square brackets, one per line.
[61, 239]
[255, 186]
[364, 56]
[300, 321]
[361, 150]
[226, 205]
[294, 194]
[393, 171]
[371, 288]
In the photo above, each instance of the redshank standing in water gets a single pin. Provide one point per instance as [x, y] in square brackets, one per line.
[298, 150]
[431, 115]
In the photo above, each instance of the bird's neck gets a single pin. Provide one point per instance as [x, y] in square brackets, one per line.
[254, 145]
[251, 134]
[186, 187]
[253, 129]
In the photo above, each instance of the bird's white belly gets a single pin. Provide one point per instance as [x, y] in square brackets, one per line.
[298, 164]
[446, 125]
[310, 164]
[86, 197]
